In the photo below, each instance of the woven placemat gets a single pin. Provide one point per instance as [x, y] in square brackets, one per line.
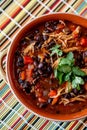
[13, 15]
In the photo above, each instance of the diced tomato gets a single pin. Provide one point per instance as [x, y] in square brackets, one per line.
[27, 60]
[83, 41]
[22, 75]
[29, 74]
[55, 100]
[72, 27]
[41, 99]
[52, 93]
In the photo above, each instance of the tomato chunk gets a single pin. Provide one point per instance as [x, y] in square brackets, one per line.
[27, 60]
[83, 41]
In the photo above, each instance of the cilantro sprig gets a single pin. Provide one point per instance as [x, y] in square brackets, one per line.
[56, 50]
[66, 69]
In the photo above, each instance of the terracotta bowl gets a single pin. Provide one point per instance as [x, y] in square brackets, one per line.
[10, 73]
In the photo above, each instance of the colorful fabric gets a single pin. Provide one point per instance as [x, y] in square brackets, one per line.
[13, 15]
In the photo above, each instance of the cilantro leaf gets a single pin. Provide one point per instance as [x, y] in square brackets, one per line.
[64, 68]
[67, 77]
[77, 82]
[70, 56]
[77, 71]
[55, 72]
[60, 77]
[56, 50]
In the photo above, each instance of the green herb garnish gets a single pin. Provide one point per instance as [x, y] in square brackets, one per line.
[56, 50]
[66, 69]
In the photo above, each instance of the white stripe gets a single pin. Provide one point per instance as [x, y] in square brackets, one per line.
[9, 17]
[5, 35]
[69, 6]
[24, 9]
[19, 115]
[83, 123]
[85, 1]
[2, 1]
[45, 6]
[58, 125]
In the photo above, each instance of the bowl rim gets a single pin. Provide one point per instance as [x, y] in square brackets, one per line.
[69, 117]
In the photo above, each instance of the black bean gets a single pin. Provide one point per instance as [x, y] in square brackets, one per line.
[51, 44]
[23, 42]
[18, 71]
[45, 37]
[49, 100]
[20, 81]
[84, 54]
[27, 90]
[42, 105]
[35, 74]
[26, 84]
[35, 63]
[19, 64]
[47, 24]
[47, 30]
[55, 22]
[38, 44]
[47, 56]
[37, 37]
[75, 91]
[17, 53]
[67, 95]
[20, 59]
[72, 95]
[45, 75]
[41, 65]
[82, 91]
[40, 72]
[85, 78]
[31, 36]
[37, 31]
[49, 69]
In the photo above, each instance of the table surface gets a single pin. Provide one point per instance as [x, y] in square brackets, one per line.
[13, 15]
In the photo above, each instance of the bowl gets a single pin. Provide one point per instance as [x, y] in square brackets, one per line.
[10, 73]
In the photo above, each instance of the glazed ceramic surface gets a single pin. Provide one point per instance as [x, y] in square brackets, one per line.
[10, 73]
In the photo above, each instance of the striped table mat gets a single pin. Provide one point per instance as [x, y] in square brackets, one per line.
[13, 15]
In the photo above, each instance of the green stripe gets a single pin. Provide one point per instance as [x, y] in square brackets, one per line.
[3, 91]
[81, 7]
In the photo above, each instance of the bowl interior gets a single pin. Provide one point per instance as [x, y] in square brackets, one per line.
[10, 73]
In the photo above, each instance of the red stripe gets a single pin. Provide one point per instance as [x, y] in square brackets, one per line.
[73, 125]
[53, 5]
[56, 2]
[6, 95]
[44, 125]
[84, 11]
[14, 14]
[19, 119]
